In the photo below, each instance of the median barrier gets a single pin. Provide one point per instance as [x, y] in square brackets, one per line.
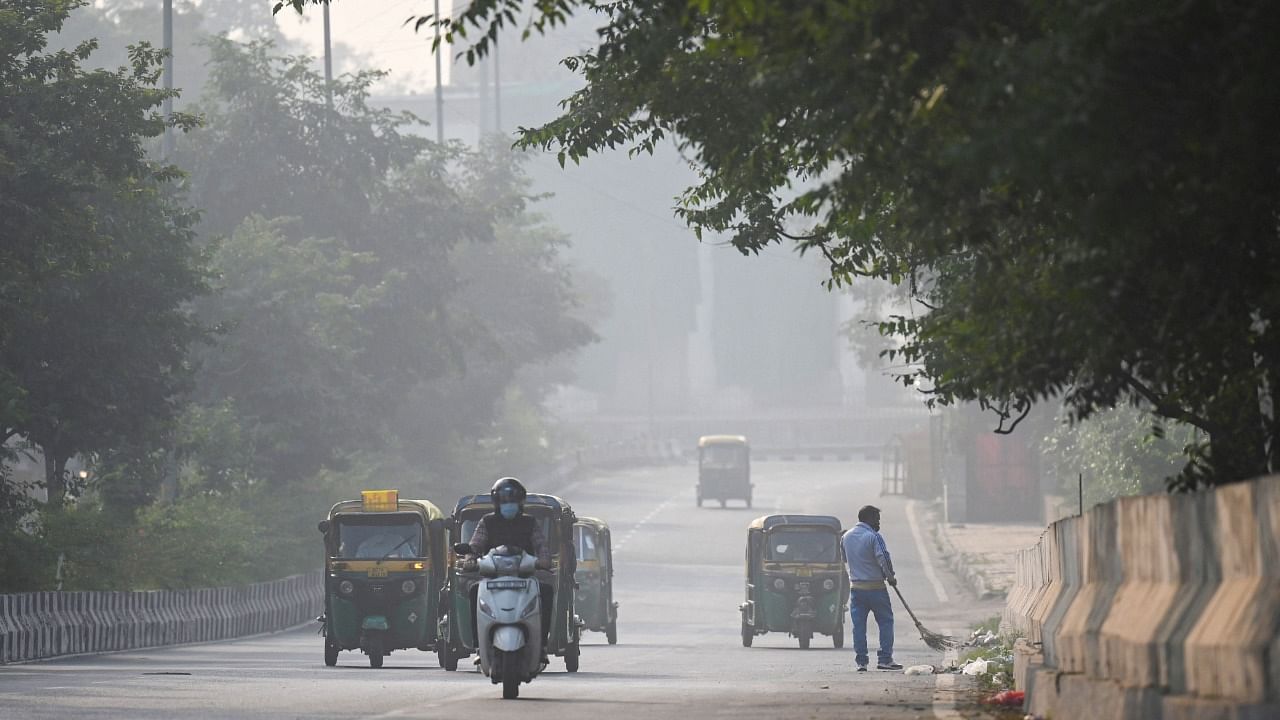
[48, 624]
[1154, 606]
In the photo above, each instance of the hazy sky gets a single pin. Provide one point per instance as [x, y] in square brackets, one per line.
[374, 29]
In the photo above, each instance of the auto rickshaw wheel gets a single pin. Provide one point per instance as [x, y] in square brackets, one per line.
[446, 656]
[804, 641]
[748, 501]
[837, 638]
[611, 632]
[571, 655]
[723, 503]
[375, 652]
[699, 499]
[330, 653]
[747, 634]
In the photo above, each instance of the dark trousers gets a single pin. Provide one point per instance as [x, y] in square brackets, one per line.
[876, 602]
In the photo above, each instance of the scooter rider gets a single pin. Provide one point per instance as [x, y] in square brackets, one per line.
[508, 525]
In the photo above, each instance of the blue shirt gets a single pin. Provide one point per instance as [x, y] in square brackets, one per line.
[866, 554]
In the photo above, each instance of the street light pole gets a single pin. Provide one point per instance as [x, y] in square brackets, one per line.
[166, 142]
[328, 59]
[497, 89]
[439, 81]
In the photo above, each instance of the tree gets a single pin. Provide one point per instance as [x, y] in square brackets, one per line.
[1084, 195]
[96, 250]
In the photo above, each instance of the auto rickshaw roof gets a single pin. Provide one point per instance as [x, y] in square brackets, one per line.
[596, 523]
[769, 522]
[535, 499]
[706, 440]
[425, 508]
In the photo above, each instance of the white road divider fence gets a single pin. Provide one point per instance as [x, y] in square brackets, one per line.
[48, 624]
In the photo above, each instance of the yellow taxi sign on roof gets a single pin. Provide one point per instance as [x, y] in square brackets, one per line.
[380, 500]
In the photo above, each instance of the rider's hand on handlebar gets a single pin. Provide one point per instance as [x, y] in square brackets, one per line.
[542, 565]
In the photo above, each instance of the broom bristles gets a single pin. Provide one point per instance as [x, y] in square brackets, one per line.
[937, 641]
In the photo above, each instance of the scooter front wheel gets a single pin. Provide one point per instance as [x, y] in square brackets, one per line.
[510, 677]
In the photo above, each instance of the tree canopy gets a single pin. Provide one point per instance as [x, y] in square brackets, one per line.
[1081, 197]
[97, 250]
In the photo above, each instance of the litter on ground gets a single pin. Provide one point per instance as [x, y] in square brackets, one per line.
[919, 670]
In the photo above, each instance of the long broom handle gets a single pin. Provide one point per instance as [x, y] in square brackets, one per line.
[905, 605]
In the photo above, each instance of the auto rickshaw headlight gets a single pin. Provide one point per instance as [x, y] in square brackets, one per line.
[779, 584]
[408, 586]
[828, 584]
[346, 587]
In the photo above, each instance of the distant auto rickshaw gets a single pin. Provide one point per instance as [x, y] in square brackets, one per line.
[796, 578]
[456, 630]
[594, 597]
[385, 564]
[724, 469]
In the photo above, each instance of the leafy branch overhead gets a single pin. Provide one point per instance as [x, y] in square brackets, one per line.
[1081, 196]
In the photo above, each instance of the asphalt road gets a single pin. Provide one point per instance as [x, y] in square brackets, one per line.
[679, 581]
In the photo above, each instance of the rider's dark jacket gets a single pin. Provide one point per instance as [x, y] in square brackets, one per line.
[521, 531]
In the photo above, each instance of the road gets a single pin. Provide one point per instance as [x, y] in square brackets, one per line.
[679, 581]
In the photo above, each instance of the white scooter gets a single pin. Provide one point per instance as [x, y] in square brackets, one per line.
[508, 616]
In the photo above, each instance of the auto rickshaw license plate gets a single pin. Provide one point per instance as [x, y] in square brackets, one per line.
[377, 572]
[804, 572]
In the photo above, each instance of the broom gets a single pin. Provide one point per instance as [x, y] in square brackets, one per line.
[937, 641]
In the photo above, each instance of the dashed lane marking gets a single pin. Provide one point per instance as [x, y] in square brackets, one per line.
[617, 547]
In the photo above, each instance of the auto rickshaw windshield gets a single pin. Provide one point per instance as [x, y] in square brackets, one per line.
[472, 518]
[370, 537]
[586, 543]
[723, 456]
[796, 545]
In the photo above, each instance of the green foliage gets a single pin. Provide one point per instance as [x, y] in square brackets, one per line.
[1084, 195]
[97, 253]
[1123, 451]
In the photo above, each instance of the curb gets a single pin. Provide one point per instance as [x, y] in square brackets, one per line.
[958, 562]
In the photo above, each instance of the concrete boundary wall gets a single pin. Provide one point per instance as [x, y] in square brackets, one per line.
[1163, 606]
[48, 624]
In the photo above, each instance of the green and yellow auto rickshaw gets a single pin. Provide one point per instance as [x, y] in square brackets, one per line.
[594, 596]
[796, 578]
[385, 564]
[724, 469]
[456, 630]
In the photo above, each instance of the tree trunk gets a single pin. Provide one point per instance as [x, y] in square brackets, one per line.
[55, 478]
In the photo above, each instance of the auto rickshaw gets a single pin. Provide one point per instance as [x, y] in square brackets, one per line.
[724, 469]
[384, 567]
[796, 578]
[594, 597]
[456, 630]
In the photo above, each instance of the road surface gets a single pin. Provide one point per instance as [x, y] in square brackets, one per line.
[679, 580]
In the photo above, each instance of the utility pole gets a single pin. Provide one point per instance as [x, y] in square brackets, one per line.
[328, 59]
[166, 142]
[439, 81]
[482, 114]
[497, 89]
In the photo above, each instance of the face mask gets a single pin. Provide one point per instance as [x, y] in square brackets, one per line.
[509, 510]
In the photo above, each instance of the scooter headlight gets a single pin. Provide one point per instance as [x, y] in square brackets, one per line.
[408, 586]
[346, 587]
[828, 584]
[779, 584]
[484, 607]
[533, 607]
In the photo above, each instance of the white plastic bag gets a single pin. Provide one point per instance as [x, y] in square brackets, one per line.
[919, 670]
[975, 667]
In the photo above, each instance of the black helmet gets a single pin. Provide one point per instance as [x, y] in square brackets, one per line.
[508, 489]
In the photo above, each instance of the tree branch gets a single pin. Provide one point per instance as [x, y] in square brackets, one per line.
[1164, 408]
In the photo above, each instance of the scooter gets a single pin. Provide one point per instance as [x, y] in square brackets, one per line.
[508, 616]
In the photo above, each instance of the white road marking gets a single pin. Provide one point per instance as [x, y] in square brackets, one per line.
[617, 547]
[938, 590]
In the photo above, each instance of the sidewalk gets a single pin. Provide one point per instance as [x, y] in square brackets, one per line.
[981, 554]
